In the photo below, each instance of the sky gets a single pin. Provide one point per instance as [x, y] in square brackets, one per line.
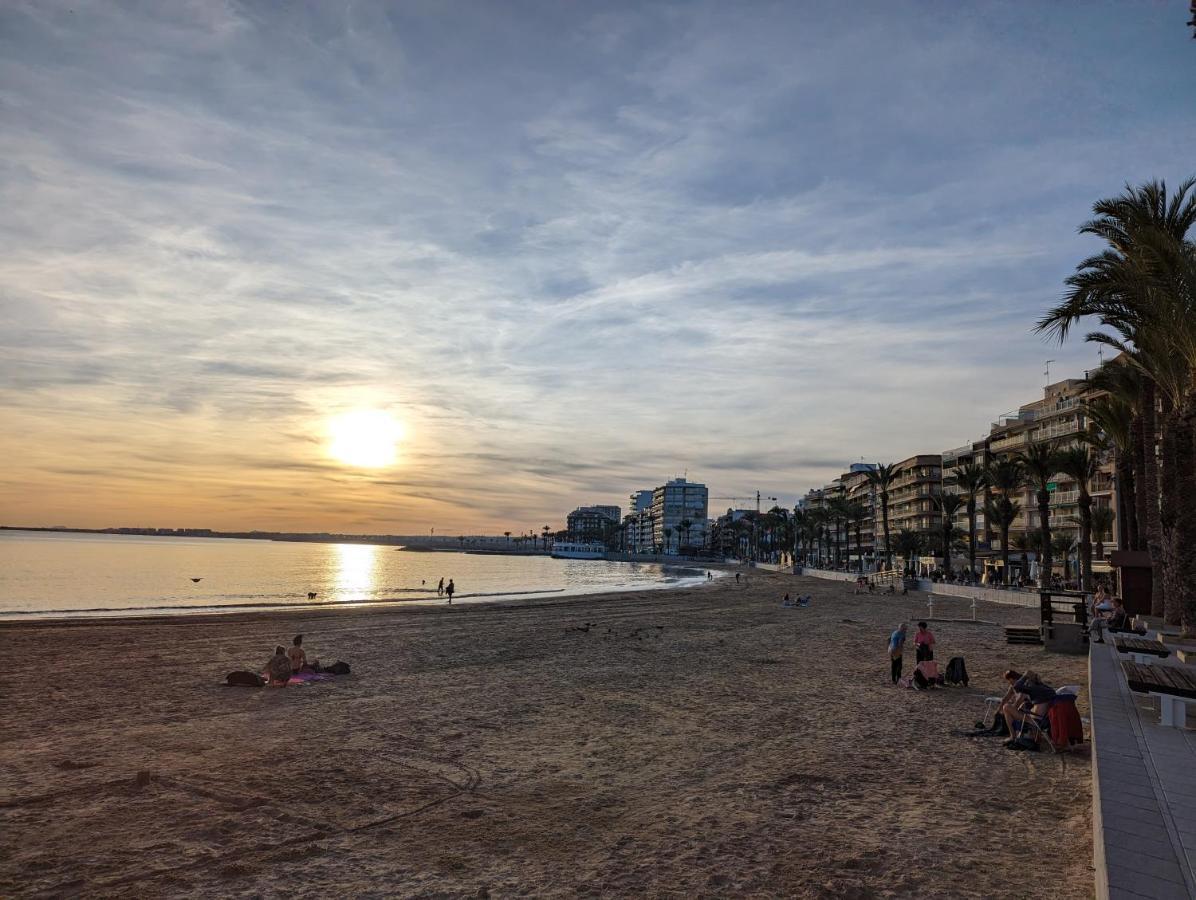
[574, 249]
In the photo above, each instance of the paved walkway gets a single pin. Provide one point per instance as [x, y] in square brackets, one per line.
[1143, 790]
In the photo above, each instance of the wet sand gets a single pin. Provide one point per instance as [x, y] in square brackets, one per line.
[711, 743]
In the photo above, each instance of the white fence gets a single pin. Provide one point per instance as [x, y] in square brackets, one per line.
[990, 595]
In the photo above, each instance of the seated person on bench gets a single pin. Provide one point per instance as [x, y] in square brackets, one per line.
[1117, 620]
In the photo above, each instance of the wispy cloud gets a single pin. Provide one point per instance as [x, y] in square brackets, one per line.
[576, 250]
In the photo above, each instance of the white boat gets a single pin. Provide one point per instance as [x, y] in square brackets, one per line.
[577, 550]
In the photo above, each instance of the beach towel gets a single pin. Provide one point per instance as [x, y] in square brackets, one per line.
[308, 677]
[1065, 725]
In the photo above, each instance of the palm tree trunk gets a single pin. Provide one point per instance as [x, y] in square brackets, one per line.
[1127, 518]
[884, 514]
[1045, 559]
[972, 534]
[1150, 485]
[1184, 563]
[1176, 497]
[1085, 561]
[1005, 555]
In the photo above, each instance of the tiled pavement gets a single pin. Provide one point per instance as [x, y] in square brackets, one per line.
[1144, 791]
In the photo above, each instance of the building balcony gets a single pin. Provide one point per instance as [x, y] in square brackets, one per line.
[1064, 498]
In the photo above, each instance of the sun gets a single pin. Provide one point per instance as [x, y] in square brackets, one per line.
[364, 438]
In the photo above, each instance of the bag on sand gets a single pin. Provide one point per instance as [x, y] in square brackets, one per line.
[338, 668]
[921, 682]
[245, 679]
[957, 672]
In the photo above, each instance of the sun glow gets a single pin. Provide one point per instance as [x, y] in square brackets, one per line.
[365, 438]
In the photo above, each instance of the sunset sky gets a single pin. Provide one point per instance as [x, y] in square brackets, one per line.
[571, 249]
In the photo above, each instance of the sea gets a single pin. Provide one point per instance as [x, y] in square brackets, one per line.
[64, 574]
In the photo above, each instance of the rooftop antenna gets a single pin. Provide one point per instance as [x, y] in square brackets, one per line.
[1047, 372]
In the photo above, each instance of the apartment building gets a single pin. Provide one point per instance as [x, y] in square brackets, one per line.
[679, 514]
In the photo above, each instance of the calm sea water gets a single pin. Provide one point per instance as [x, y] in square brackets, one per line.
[46, 573]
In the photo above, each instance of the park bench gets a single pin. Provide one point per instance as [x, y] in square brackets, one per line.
[1141, 650]
[1174, 687]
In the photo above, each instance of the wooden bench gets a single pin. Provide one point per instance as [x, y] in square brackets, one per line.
[1023, 634]
[1140, 649]
[1174, 687]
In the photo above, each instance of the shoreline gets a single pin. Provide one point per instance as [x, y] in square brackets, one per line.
[237, 613]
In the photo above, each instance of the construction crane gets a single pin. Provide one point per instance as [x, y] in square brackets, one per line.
[748, 499]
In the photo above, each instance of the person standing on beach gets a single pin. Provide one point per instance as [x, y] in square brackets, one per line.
[924, 642]
[449, 590]
[896, 648]
[737, 578]
[440, 588]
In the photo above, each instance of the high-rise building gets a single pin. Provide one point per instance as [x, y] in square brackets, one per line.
[679, 514]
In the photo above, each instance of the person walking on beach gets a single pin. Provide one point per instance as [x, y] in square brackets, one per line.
[737, 578]
[440, 588]
[449, 590]
[923, 642]
[896, 648]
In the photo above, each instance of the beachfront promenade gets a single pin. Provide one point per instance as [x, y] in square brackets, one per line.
[1143, 790]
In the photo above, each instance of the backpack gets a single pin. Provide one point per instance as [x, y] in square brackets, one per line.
[957, 672]
[920, 680]
[338, 668]
[244, 679]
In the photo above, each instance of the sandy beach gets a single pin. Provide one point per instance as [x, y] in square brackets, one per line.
[710, 743]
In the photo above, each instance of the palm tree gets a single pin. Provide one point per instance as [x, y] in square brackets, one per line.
[909, 544]
[1003, 512]
[1081, 464]
[948, 505]
[546, 529]
[840, 510]
[685, 525]
[668, 539]
[1102, 525]
[1143, 286]
[1061, 543]
[1007, 476]
[971, 480]
[857, 512]
[881, 479]
[1040, 463]
[507, 535]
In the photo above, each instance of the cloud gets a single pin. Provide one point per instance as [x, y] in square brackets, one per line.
[576, 250]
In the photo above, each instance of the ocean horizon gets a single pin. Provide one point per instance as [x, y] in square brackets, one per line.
[70, 574]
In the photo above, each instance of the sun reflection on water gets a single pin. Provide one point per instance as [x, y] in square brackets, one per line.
[356, 573]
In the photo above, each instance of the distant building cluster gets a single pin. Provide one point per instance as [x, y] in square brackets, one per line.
[918, 480]
[669, 520]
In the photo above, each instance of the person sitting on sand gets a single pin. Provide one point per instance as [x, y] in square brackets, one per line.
[296, 654]
[278, 668]
[923, 642]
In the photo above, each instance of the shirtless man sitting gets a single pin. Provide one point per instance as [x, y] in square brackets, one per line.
[298, 657]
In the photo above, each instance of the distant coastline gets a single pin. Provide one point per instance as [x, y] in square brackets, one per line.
[405, 542]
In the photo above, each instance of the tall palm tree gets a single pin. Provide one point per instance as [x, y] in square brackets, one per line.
[685, 525]
[1041, 463]
[1061, 543]
[971, 480]
[857, 512]
[1003, 512]
[948, 505]
[1081, 464]
[840, 510]
[1143, 287]
[1112, 417]
[881, 479]
[507, 535]
[546, 531]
